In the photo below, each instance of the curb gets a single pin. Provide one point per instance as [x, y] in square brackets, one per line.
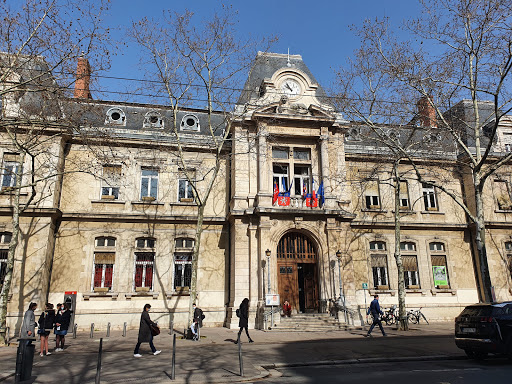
[364, 361]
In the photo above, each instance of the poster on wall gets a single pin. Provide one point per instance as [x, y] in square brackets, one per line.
[440, 275]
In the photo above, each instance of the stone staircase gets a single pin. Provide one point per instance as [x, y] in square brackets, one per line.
[309, 322]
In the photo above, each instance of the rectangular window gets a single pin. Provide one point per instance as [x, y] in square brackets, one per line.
[302, 154]
[9, 170]
[103, 269]
[149, 184]
[182, 269]
[429, 197]
[185, 192]
[280, 153]
[508, 250]
[144, 264]
[281, 177]
[503, 193]
[110, 182]
[301, 180]
[404, 195]
[411, 276]
[372, 195]
[3, 265]
[440, 271]
[380, 271]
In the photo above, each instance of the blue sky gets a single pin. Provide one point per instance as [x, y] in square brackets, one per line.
[318, 30]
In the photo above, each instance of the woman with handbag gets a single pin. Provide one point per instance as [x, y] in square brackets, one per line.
[62, 320]
[147, 329]
[46, 323]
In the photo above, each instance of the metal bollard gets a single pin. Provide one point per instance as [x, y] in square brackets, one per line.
[108, 329]
[98, 365]
[240, 357]
[74, 330]
[92, 331]
[124, 329]
[173, 367]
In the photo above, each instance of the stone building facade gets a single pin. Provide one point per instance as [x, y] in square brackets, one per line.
[303, 207]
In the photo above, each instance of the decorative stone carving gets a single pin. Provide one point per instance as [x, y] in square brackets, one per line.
[291, 108]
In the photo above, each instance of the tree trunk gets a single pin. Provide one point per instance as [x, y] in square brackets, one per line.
[486, 287]
[195, 258]
[6, 287]
[403, 324]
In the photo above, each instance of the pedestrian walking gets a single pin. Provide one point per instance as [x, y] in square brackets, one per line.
[146, 330]
[62, 320]
[28, 328]
[243, 313]
[46, 323]
[375, 312]
[197, 322]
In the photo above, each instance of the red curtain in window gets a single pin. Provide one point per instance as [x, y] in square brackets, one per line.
[109, 270]
[139, 269]
[98, 272]
[149, 276]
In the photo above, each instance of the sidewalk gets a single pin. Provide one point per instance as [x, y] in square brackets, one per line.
[215, 358]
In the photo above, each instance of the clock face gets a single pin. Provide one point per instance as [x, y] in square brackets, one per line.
[291, 88]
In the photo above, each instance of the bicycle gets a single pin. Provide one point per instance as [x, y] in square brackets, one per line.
[389, 316]
[414, 316]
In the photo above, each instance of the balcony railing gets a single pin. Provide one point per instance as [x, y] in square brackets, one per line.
[296, 203]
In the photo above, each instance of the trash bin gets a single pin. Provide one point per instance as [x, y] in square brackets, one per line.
[24, 359]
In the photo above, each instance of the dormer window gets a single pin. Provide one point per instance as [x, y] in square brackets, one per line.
[153, 119]
[190, 123]
[115, 116]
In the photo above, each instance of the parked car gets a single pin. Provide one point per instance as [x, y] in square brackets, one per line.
[481, 329]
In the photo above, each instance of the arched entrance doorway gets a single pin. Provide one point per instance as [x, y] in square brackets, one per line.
[298, 272]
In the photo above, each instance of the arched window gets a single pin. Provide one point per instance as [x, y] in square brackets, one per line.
[439, 267]
[410, 264]
[183, 251]
[104, 261]
[144, 263]
[379, 263]
[296, 245]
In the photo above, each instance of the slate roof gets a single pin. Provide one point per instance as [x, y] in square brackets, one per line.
[265, 65]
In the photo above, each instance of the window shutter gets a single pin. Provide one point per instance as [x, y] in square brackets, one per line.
[438, 261]
[378, 261]
[410, 263]
[104, 258]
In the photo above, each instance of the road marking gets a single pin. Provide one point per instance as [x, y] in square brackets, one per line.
[447, 370]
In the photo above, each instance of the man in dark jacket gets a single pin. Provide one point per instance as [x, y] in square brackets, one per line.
[197, 322]
[375, 311]
[145, 334]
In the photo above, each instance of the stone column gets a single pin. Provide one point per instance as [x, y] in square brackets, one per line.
[324, 162]
[264, 173]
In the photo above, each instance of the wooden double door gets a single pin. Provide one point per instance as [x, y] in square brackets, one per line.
[298, 272]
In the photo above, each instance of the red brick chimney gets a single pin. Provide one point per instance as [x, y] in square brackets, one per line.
[83, 77]
[426, 112]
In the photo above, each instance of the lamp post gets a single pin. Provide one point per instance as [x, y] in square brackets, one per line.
[341, 298]
[267, 253]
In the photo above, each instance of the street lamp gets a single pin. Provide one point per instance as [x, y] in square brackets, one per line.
[267, 253]
[341, 298]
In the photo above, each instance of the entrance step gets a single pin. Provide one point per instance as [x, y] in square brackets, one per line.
[310, 322]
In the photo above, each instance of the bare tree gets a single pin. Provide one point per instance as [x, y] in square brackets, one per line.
[40, 42]
[456, 49]
[197, 64]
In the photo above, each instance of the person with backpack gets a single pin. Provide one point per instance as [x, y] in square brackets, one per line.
[243, 313]
[46, 322]
[197, 322]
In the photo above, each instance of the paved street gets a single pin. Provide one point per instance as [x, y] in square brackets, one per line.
[275, 357]
[417, 372]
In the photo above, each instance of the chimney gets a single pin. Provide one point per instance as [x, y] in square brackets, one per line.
[83, 77]
[426, 112]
